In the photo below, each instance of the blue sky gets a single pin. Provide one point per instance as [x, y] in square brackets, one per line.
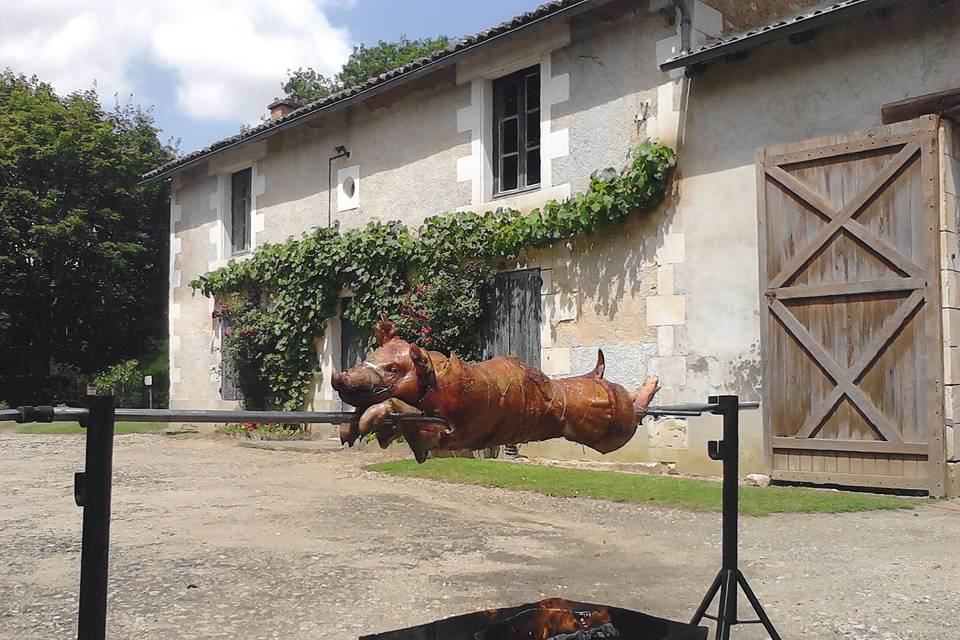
[207, 66]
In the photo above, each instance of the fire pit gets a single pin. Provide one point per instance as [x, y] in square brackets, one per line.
[551, 619]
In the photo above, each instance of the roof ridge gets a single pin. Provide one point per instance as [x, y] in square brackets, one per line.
[461, 44]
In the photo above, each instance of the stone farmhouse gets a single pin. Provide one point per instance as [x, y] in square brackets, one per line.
[806, 255]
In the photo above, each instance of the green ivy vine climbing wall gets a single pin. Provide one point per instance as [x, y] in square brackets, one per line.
[430, 280]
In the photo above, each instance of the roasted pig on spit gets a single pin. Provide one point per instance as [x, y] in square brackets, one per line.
[495, 402]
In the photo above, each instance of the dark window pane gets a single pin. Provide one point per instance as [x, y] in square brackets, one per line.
[240, 210]
[510, 96]
[533, 91]
[533, 129]
[516, 130]
[508, 173]
[509, 135]
[533, 167]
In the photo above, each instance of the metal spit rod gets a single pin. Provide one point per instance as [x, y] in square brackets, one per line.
[74, 414]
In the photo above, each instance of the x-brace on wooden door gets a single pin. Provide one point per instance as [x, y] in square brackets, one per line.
[849, 266]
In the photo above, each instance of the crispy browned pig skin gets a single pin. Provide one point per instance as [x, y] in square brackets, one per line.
[499, 401]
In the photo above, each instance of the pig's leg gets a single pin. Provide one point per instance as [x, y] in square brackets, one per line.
[420, 436]
[376, 419]
[642, 397]
[350, 431]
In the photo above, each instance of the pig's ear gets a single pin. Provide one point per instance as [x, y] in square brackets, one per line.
[385, 330]
[424, 367]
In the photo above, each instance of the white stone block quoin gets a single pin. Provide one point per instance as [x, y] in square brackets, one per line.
[672, 371]
[665, 280]
[951, 327]
[951, 402]
[665, 340]
[175, 278]
[949, 251]
[951, 365]
[562, 306]
[950, 289]
[665, 310]
[555, 361]
[672, 250]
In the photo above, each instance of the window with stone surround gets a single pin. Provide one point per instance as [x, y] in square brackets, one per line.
[516, 132]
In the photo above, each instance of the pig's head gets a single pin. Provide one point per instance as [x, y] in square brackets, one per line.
[396, 369]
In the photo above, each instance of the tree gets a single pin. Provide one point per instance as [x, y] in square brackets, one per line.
[83, 246]
[306, 85]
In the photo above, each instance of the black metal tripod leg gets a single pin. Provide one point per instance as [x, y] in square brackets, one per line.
[707, 599]
[757, 607]
[727, 614]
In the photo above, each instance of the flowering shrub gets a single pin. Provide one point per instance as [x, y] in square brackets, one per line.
[247, 345]
[445, 312]
[250, 429]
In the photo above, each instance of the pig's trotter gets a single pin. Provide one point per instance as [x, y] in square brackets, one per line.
[421, 436]
[378, 420]
[375, 418]
[642, 397]
[349, 432]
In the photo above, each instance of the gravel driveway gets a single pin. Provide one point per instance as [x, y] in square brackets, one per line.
[215, 541]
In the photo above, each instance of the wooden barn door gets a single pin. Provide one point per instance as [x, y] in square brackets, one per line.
[512, 327]
[849, 268]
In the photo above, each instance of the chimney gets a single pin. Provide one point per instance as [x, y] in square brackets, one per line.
[281, 107]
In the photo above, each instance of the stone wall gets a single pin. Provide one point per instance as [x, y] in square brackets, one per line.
[424, 149]
[704, 308]
[675, 291]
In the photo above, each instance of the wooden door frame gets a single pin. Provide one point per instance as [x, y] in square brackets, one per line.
[922, 132]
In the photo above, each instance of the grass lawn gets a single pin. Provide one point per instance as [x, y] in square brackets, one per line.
[666, 491]
[119, 428]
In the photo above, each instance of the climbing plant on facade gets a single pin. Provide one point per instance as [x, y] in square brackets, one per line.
[430, 280]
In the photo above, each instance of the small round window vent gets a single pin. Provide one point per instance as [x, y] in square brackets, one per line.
[349, 187]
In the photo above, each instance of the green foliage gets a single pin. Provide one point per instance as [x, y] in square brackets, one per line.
[249, 340]
[123, 380]
[83, 264]
[3, 405]
[442, 312]
[680, 493]
[264, 430]
[432, 279]
[65, 381]
[368, 62]
[305, 85]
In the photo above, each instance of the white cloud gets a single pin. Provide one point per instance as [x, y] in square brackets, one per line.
[228, 56]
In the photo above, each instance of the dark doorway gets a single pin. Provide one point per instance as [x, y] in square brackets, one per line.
[353, 345]
[513, 324]
[229, 389]
[513, 319]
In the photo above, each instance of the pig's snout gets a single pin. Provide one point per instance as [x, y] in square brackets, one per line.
[355, 380]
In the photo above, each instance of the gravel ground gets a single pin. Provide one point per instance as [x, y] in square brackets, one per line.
[211, 540]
